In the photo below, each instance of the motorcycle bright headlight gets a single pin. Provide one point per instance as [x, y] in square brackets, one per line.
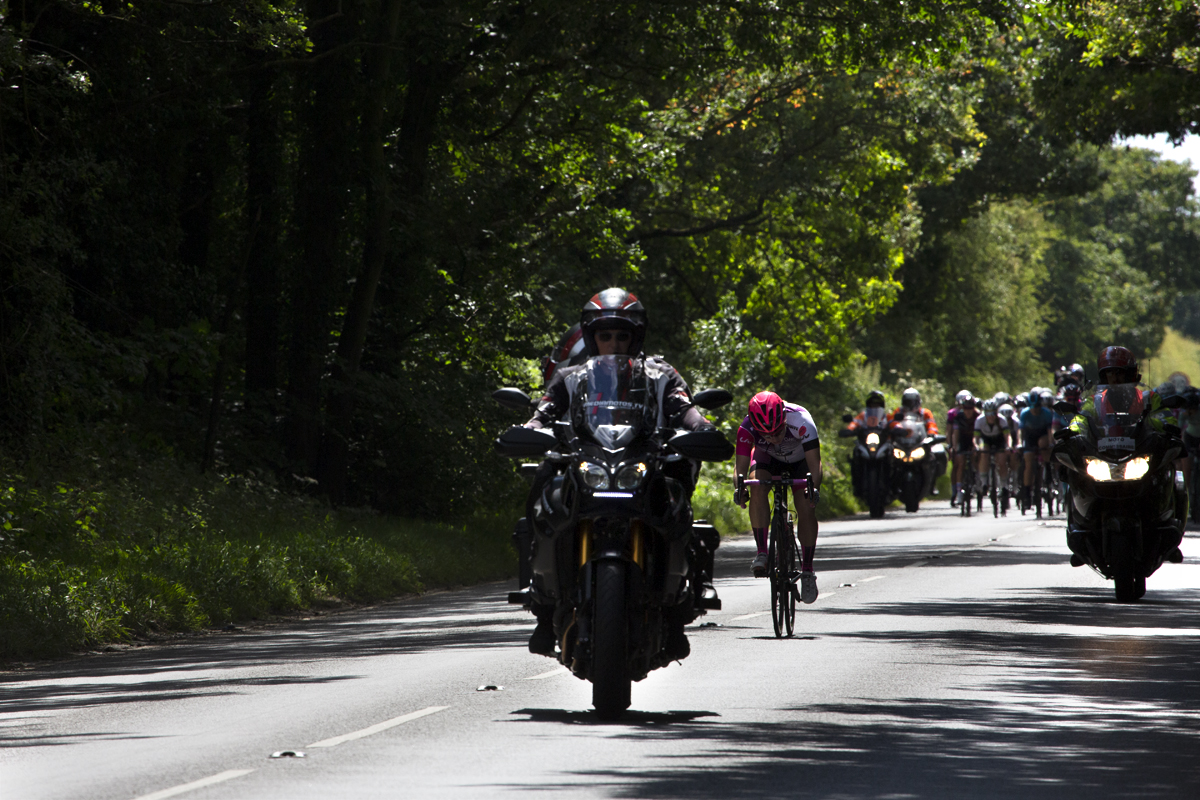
[1099, 470]
[630, 477]
[1137, 468]
[918, 453]
[593, 475]
[872, 438]
[898, 453]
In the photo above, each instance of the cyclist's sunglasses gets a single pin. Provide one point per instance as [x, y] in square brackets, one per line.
[608, 336]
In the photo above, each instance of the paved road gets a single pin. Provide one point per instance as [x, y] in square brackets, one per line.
[942, 659]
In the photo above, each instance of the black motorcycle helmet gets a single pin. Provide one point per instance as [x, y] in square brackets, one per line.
[609, 309]
[876, 399]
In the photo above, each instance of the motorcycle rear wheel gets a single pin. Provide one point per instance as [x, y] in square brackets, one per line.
[610, 643]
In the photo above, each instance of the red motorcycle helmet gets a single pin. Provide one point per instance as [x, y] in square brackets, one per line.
[1121, 361]
[613, 308]
[567, 353]
[767, 413]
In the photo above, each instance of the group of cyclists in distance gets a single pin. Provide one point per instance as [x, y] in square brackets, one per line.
[1013, 433]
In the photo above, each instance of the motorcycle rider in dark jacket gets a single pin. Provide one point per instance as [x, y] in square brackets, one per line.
[613, 322]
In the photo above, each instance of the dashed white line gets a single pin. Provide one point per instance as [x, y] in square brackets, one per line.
[750, 616]
[377, 728]
[220, 777]
[872, 578]
[550, 674]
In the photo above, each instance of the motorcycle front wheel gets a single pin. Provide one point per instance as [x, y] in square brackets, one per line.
[610, 643]
[1120, 561]
[874, 492]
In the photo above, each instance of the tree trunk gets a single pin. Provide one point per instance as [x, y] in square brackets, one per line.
[264, 160]
[425, 87]
[322, 199]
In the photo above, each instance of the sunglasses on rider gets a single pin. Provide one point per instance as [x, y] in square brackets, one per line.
[608, 336]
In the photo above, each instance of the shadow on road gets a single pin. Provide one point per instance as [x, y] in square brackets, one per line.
[1104, 703]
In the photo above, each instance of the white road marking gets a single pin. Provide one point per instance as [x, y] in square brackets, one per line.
[1005, 536]
[377, 728]
[220, 777]
[550, 674]
[920, 563]
[873, 578]
[750, 616]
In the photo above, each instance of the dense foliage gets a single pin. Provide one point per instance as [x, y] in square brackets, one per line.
[298, 242]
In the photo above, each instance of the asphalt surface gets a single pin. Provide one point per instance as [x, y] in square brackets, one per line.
[944, 658]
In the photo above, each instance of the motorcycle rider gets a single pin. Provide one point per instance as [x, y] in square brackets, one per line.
[873, 417]
[775, 437]
[568, 352]
[1117, 365]
[910, 403]
[613, 322]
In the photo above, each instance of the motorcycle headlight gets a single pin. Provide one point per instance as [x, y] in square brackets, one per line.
[918, 453]
[1100, 470]
[630, 477]
[1137, 468]
[898, 453]
[594, 475]
[872, 438]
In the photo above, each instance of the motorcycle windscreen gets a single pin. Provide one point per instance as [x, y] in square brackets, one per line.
[616, 402]
[875, 417]
[910, 430]
[1119, 408]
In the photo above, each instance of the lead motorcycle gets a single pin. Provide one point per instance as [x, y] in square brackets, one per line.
[915, 460]
[1125, 514]
[611, 526]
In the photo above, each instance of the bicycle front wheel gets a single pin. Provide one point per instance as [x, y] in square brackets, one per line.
[787, 585]
[773, 576]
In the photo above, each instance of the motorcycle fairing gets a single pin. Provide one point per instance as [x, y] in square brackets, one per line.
[614, 404]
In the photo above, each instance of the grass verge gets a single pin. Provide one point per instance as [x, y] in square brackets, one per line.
[87, 558]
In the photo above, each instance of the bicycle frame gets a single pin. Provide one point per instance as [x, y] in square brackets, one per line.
[781, 552]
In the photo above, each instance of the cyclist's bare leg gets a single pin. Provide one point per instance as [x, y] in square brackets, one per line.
[985, 462]
[760, 512]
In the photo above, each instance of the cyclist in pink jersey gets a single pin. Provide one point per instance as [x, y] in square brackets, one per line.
[776, 436]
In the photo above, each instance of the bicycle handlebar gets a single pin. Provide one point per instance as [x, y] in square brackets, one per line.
[775, 482]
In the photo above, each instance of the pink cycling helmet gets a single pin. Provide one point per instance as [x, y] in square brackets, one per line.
[766, 412]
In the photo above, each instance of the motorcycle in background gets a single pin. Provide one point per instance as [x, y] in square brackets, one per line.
[913, 460]
[1125, 515]
[871, 462]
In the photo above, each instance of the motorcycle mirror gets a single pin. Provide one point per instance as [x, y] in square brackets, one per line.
[518, 442]
[847, 418]
[1174, 401]
[1065, 408]
[512, 398]
[710, 445]
[939, 439]
[712, 398]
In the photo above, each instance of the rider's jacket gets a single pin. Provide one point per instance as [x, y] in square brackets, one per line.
[1035, 425]
[992, 434]
[1157, 416]
[931, 427]
[869, 419]
[674, 399]
[800, 436]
